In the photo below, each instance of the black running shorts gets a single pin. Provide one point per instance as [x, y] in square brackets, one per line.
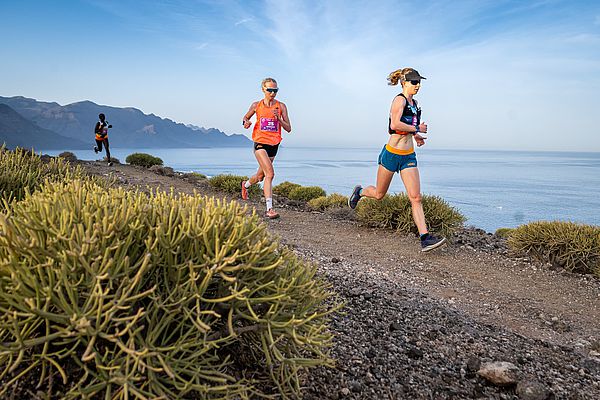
[271, 149]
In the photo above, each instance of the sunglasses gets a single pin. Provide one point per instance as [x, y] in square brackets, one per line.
[272, 90]
[415, 82]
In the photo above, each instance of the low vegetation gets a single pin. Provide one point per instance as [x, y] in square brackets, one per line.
[294, 191]
[197, 175]
[23, 170]
[143, 160]
[233, 184]
[395, 212]
[284, 188]
[503, 232]
[575, 247]
[116, 294]
[326, 202]
[306, 193]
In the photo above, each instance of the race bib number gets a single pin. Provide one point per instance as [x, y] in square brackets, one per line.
[269, 124]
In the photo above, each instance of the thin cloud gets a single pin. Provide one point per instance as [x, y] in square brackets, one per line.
[242, 21]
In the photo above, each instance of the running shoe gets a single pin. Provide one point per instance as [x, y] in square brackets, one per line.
[244, 191]
[110, 163]
[354, 197]
[272, 214]
[431, 242]
[96, 150]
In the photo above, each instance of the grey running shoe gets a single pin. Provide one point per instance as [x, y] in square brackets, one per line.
[354, 197]
[431, 242]
[95, 150]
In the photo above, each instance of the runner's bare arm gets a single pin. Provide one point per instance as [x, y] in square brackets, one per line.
[246, 119]
[284, 119]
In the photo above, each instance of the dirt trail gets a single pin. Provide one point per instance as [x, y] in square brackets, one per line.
[524, 297]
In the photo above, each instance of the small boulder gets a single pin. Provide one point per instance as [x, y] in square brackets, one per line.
[168, 171]
[499, 373]
[157, 169]
[68, 156]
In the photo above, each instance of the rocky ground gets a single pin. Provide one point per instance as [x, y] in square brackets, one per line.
[430, 326]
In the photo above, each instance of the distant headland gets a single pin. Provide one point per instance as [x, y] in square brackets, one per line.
[26, 122]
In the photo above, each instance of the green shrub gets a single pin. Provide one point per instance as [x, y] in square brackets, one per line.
[575, 247]
[284, 188]
[306, 193]
[143, 160]
[503, 232]
[232, 184]
[23, 170]
[198, 175]
[118, 294]
[395, 212]
[324, 202]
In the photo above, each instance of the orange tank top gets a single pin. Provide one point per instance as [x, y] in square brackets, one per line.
[267, 129]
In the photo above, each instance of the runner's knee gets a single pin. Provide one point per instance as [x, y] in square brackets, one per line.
[415, 198]
[270, 175]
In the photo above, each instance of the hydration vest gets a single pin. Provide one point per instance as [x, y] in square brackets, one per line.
[411, 115]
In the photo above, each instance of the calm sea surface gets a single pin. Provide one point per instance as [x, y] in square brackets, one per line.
[492, 189]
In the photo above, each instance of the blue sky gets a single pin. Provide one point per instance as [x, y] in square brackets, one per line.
[501, 74]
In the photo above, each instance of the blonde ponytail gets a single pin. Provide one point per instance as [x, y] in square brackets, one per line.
[398, 76]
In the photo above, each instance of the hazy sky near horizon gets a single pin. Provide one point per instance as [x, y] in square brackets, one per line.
[501, 75]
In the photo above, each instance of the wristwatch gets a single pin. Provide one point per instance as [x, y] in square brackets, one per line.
[416, 129]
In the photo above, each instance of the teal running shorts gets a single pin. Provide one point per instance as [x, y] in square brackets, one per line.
[396, 162]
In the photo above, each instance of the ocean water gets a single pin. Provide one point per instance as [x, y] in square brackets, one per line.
[493, 189]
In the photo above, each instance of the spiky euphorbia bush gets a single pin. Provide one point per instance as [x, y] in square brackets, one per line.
[233, 184]
[120, 295]
[331, 201]
[22, 170]
[573, 246]
[395, 211]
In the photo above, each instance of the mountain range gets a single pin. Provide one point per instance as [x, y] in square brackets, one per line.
[26, 122]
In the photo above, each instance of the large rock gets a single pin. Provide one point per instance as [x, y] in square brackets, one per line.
[499, 373]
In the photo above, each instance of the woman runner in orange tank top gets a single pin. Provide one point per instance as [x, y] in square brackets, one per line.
[271, 116]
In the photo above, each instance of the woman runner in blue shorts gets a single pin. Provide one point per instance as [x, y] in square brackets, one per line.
[398, 155]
